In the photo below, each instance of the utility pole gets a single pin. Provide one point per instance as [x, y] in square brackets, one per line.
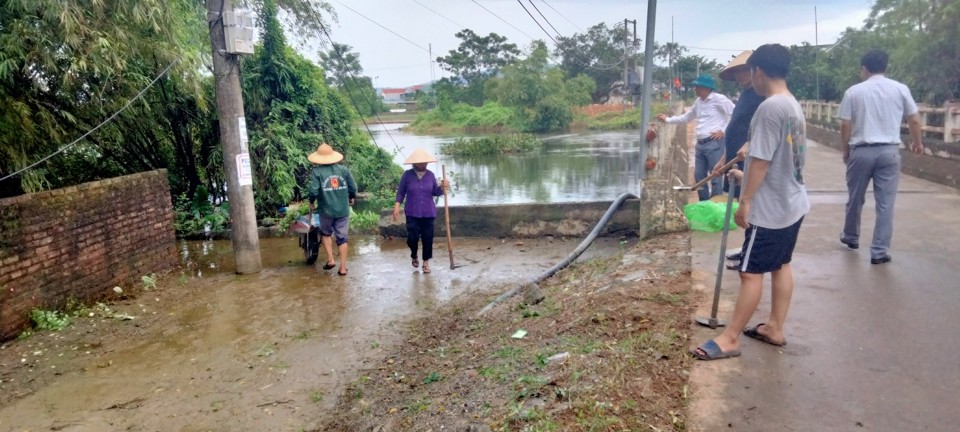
[647, 83]
[626, 58]
[816, 46]
[626, 66]
[233, 138]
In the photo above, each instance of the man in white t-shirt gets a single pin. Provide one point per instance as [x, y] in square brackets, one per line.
[870, 116]
[772, 205]
[712, 111]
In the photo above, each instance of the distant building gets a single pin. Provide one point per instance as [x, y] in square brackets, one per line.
[403, 97]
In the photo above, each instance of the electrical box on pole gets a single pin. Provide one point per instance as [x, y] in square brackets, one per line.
[238, 31]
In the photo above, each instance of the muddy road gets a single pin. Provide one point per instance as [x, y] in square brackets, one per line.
[208, 350]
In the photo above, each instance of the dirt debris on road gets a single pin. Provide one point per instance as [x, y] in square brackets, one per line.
[605, 350]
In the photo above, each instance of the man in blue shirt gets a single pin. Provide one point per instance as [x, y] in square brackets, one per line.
[739, 126]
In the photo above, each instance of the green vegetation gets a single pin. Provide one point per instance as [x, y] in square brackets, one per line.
[490, 117]
[493, 145]
[49, 319]
[289, 107]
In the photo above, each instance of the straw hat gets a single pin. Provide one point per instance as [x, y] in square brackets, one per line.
[741, 60]
[419, 156]
[325, 155]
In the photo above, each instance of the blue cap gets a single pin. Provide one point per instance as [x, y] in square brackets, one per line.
[705, 81]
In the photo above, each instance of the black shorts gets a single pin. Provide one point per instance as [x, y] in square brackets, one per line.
[766, 250]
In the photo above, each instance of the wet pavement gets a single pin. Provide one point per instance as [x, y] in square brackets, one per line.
[871, 347]
[269, 351]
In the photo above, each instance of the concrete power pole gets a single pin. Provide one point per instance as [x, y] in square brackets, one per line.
[626, 65]
[233, 137]
[648, 82]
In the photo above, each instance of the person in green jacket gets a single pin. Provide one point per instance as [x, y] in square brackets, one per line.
[332, 186]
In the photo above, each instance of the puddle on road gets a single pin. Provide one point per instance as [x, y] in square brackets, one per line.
[269, 351]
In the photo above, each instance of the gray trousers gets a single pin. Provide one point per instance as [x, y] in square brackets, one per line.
[880, 164]
[707, 155]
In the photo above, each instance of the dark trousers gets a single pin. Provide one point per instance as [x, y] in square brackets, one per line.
[420, 228]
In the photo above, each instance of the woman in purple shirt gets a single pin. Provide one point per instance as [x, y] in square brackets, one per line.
[418, 186]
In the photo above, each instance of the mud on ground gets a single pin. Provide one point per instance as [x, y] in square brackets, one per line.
[605, 351]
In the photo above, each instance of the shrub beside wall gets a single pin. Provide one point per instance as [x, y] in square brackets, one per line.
[77, 243]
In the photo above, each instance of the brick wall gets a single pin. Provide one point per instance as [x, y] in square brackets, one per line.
[79, 242]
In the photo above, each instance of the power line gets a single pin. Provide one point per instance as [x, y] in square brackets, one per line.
[538, 22]
[381, 26]
[544, 18]
[504, 21]
[108, 120]
[357, 107]
[562, 15]
[438, 14]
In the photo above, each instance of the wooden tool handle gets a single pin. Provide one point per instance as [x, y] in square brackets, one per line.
[446, 214]
[721, 171]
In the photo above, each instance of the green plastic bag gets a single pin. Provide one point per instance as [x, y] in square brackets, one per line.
[708, 216]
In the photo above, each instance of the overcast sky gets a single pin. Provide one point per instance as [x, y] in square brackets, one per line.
[718, 28]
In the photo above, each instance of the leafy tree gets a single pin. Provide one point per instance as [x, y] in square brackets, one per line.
[65, 65]
[598, 54]
[291, 111]
[346, 74]
[539, 93]
[477, 59]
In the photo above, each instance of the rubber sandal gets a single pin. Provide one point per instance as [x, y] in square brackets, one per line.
[426, 267]
[329, 266]
[711, 351]
[342, 272]
[754, 333]
[416, 263]
[733, 265]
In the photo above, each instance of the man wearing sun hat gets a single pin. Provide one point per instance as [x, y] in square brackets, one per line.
[712, 112]
[332, 186]
[739, 127]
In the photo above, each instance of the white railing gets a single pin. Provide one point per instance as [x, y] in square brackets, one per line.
[937, 123]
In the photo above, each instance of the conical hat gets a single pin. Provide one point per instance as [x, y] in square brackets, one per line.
[325, 155]
[419, 156]
[741, 60]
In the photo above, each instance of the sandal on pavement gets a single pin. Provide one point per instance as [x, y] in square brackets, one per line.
[415, 263]
[754, 333]
[709, 350]
[426, 267]
[329, 266]
[733, 265]
[342, 272]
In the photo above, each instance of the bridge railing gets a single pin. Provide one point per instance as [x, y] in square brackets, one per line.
[942, 123]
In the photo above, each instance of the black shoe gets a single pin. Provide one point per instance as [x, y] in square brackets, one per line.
[735, 256]
[851, 245]
[882, 260]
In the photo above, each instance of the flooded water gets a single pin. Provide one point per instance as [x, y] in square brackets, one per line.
[568, 168]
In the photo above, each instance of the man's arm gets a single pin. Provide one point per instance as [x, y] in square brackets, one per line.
[755, 175]
[845, 128]
[682, 118]
[351, 186]
[913, 122]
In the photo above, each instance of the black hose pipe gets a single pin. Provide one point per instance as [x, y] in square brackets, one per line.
[570, 258]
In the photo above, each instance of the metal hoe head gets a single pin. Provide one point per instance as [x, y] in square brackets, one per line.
[710, 322]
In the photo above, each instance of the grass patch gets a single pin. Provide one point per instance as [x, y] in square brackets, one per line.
[493, 145]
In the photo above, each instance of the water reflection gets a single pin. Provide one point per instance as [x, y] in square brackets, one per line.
[569, 167]
[210, 257]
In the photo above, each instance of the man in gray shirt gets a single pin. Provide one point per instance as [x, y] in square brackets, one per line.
[870, 116]
[772, 205]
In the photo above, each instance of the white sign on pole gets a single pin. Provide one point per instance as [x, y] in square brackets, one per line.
[242, 129]
[244, 170]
